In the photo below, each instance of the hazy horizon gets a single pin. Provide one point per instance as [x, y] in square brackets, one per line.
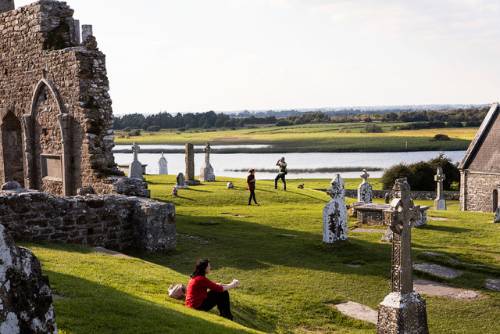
[235, 55]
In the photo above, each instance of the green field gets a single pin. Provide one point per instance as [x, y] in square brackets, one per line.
[345, 137]
[289, 278]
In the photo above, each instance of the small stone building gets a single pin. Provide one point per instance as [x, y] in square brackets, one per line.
[480, 168]
[55, 111]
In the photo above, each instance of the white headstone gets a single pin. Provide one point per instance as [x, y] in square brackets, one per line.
[335, 214]
[440, 201]
[135, 169]
[365, 190]
[163, 164]
[207, 171]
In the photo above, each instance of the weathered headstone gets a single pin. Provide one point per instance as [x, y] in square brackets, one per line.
[135, 169]
[335, 213]
[175, 191]
[365, 190]
[163, 165]
[207, 171]
[230, 185]
[25, 294]
[497, 217]
[403, 310]
[181, 181]
[440, 201]
[189, 152]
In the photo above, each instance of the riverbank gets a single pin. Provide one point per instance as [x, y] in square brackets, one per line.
[307, 138]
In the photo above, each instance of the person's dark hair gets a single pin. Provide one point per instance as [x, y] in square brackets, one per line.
[201, 268]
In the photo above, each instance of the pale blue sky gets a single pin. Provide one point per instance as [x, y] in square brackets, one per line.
[198, 55]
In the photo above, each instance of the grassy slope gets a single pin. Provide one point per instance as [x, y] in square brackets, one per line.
[317, 137]
[289, 277]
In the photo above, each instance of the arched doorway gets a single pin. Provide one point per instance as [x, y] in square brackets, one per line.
[12, 148]
[495, 200]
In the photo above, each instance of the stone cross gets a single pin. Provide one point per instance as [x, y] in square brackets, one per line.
[365, 190]
[207, 154]
[440, 201]
[135, 149]
[403, 310]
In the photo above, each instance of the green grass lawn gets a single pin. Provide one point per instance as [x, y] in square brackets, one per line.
[289, 278]
[344, 137]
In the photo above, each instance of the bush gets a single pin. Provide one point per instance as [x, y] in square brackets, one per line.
[153, 128]
[373, 128]
[134, 133]
[420, 175]
[441, 137]
[282, 122]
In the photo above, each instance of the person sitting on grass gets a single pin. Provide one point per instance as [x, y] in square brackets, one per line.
[251, 186]
[282, 167]
[197, 296]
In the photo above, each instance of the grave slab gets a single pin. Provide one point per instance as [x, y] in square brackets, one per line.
[436, 289]
[358, 311]
[437, 270]
[492, 284]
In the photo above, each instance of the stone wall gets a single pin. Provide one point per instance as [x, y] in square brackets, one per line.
[479, 191]
[55, 110]
[112, 221]
[416, 195]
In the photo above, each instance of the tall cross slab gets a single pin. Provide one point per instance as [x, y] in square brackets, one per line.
[208, 149]
[400, 215]
[135, 150]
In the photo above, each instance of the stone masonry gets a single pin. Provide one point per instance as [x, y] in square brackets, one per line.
[55, 111]
[112, 221]
[25, 294]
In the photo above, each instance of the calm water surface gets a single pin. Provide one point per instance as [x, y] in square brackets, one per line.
[223, 162]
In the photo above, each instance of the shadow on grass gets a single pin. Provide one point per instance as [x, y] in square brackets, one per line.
[443, 228]
[249, 246]
[87, 307]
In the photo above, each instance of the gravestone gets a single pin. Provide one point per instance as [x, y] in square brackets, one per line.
[403, 310]
[335, 213]
[163, 165]
[440, 201]
[175, 191]
[497, 217]
[365, 190]
[181, 181]
[230, 185]
[25, 294]
[207, 171]
[190, 180]
[135, 169]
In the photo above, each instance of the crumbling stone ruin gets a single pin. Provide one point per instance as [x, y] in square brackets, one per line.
[25, 294]
[55, 111]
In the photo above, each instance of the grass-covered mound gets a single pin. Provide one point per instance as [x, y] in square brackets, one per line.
[289, 278]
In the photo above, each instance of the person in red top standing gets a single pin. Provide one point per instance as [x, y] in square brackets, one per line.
[251, 186]
[197, 296]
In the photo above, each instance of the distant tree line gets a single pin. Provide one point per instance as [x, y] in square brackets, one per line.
[470, 117]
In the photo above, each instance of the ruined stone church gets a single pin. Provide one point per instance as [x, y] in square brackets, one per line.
[55, 111]
[480, 168]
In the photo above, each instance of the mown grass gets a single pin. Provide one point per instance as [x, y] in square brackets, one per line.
[289, 278]
[318, 137]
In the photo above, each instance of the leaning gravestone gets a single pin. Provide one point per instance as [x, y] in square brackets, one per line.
[207, 171]
[440, 201]
[365, 190]
[135, 170]
[403, 310]
[181, 181]
[25, 294]
[335, 214]
[163, 165]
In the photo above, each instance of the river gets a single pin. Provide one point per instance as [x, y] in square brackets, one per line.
[224, 163]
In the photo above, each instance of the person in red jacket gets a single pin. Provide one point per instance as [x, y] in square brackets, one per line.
[197, 296]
